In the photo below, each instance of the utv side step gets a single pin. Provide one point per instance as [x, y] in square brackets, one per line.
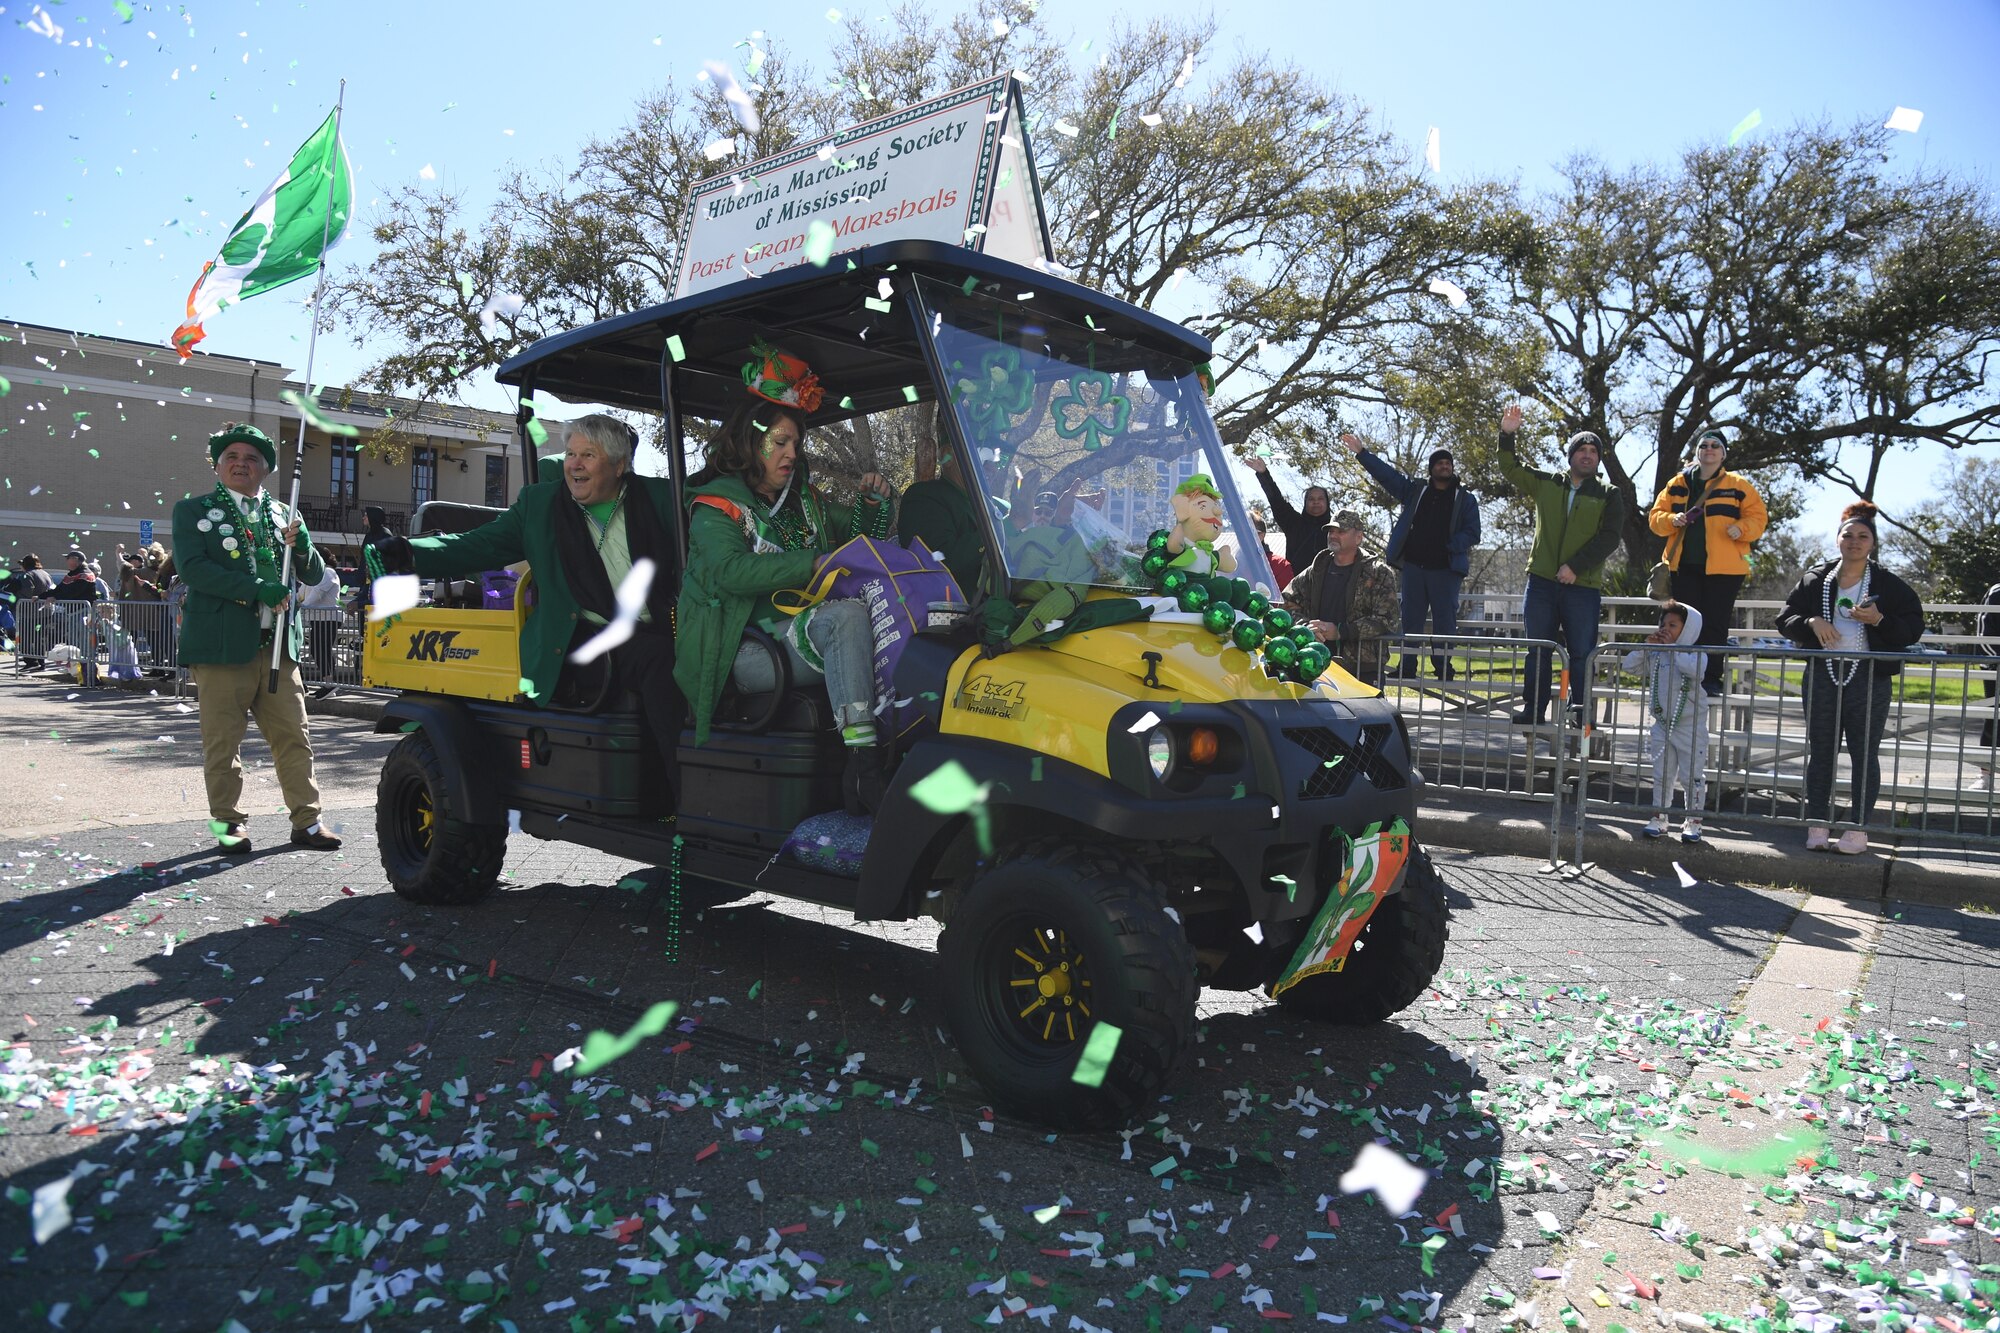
[651, 841]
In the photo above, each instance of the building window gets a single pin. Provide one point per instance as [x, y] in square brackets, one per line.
[423, 476]
[345, 474]
[496, 480]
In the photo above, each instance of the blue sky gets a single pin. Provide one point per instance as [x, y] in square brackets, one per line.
[130, 145]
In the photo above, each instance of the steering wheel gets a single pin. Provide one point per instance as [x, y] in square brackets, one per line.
[781, 668]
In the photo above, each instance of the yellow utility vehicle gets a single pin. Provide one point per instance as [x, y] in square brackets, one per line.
[1167, 795]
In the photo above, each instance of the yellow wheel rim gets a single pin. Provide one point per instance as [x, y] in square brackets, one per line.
[1049, 989]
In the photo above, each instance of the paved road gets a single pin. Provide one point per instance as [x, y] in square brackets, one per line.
[284, 1097]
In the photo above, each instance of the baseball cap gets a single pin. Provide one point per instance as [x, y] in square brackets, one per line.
[1345, 520]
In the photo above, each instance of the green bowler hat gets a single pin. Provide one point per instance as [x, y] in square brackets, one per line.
[233, 432]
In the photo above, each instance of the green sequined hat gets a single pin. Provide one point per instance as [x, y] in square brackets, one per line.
[234, 432]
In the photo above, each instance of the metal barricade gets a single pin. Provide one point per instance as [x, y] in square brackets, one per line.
[1771, 739]
[1461, 717]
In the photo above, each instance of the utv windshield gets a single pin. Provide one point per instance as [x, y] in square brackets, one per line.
[1080, 437]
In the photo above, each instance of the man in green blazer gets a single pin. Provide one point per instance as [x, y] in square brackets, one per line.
[582, 535]
[228, 549]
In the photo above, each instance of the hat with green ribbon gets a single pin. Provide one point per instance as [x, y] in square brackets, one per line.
[232, 433]
[782, 378]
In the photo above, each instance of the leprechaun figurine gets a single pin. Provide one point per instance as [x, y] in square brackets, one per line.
[1197, 523]
[228, 547]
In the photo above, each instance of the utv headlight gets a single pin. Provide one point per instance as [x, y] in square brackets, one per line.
[1160, 752]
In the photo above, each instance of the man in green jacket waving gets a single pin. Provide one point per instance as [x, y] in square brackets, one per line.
[228, 549]
[582, 535]
[1579, 522]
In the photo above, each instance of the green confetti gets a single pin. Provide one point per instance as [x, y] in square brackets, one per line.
[600, 1048]
[756, 986]
[123, 10]
[676, 348]
[949, 790]
[1745, 125]
[538, 434]
[1095, 1061]
[1771, 1159]
[95, 454]
[847, 404]
[1035, 769]
[971, 281]
[909, 393]
[872, 1148]
[819, 243]
[1164, 1165]
[1431, 1249]
[312, 416]
[880, 307]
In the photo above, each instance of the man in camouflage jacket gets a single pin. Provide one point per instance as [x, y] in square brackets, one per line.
[1352, 600]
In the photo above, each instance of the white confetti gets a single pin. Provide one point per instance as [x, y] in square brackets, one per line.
[1902, 118]
[1431, 149]
[50, 1210]
[632, 590]
[732, 93]
[1395, 1182]
[720, 149]
[1146, 722]
[395, 594]
[427, 173]
[1450, 291]
[1687, 880]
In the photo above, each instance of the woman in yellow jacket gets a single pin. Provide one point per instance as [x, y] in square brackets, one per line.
[1709, 516]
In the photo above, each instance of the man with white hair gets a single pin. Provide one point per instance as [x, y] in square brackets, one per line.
[229, 549]
[582, 535]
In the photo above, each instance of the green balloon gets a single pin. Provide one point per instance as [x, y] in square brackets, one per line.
[1218, 618]
[1282, 652]
[1277, 620]
[1239, 594]
[1153, 564]
[1247, 634]
[1173, 580]
[1257, 604]
[1314, 661]
[1304, 637]
[1158, 541]
[1193, 597]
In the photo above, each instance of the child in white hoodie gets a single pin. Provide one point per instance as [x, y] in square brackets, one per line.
[1674, 700]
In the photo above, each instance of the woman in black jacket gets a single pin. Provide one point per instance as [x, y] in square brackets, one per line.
[1854, 604]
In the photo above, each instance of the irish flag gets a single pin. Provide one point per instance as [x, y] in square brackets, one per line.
[282, 237]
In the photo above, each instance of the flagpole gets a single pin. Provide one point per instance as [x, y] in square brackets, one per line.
[312, 347]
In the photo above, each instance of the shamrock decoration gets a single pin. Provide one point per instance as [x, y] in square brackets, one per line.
[1097, 417]
[998, 393]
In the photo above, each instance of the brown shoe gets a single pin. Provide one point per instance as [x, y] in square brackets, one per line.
[316, 839]
[234, 840]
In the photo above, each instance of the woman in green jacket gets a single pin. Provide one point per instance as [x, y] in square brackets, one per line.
[758, 528]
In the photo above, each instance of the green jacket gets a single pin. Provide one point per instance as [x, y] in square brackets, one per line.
[727, 582]
[945, 519]
[220, 620]
[527, 531]
[1581, 535]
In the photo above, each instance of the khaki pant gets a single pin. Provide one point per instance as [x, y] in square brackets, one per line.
[228, 694]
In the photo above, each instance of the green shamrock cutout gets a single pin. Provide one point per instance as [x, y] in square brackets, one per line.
[998, 393]
[1098, 418]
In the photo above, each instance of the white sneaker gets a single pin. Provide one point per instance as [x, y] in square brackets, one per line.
[1984, 782]
[1691, 831]
[1656, 827]
[1816, 839]
[1852, 843]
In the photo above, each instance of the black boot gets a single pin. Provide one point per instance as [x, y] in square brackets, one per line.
[866, 780]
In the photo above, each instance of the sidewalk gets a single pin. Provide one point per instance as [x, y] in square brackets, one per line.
[1943, 871]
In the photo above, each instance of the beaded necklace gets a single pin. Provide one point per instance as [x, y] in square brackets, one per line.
[1661, 666]
[1853, 664]
[794, 526]
[604, 529]
[260, 525]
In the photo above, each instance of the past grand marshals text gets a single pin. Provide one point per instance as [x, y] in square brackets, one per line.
[924, 173]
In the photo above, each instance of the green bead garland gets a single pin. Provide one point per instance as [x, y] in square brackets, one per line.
[1234, 611]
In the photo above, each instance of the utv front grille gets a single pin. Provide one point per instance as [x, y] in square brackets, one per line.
[1336, 762]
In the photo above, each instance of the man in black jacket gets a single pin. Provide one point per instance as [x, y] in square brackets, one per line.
[1305, 532]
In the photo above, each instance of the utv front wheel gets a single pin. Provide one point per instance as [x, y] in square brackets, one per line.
[1393, 960]
[429, 855]
[1048, 944]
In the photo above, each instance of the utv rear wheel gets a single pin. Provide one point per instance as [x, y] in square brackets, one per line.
[1393, 960]
[1048, 944]
[429, 855]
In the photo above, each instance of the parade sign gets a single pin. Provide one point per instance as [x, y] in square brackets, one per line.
[955, 169]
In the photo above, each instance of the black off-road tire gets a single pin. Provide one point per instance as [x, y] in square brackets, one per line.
[1096, 926]
[1394, 959]
[430, 855]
